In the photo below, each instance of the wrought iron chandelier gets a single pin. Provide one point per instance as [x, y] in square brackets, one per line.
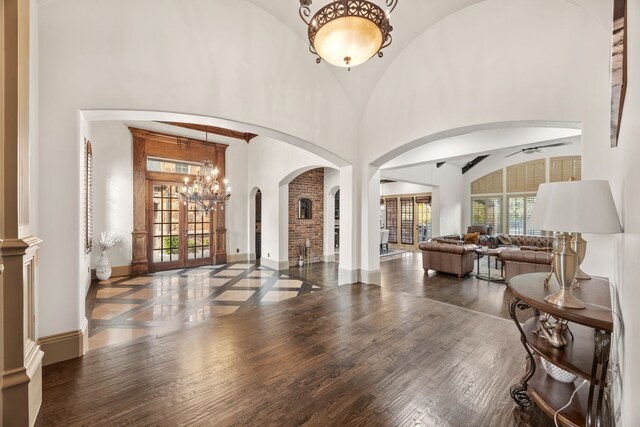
[347, 33]
[206, 191]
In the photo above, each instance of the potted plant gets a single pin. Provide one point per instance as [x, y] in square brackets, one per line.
[108, 239]
[300, 255]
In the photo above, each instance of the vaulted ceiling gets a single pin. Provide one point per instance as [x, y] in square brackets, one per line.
[410, 19]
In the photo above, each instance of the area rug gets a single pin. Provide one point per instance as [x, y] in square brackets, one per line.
[393, 252]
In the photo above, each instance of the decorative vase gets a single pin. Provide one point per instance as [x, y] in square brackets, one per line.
[300, 263]
[103, 271]
[558, 373]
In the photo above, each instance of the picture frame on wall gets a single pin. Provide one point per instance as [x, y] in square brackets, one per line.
[618, 67]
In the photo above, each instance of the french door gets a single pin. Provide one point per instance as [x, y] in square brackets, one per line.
[181, 234]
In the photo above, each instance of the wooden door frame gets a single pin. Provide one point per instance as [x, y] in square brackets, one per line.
[166, 146]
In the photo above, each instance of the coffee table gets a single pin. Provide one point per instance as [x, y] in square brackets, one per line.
[489, 253]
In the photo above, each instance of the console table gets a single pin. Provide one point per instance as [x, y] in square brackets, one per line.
[586, 355]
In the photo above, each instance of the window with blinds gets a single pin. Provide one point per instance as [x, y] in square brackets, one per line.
[526, 176]
[519, 212]
[565, 168]
[88, 197]
[487, 211]
[392, 219]
[491, 183]
[406, 224]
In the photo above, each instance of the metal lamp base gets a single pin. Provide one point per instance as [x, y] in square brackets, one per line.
[579, 245]
[564, 265]
[564, 298]
[581, 275]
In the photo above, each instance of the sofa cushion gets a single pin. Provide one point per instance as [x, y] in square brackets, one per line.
[453, 249]
[444, 241]
[532, 257]
[538, 241]
[472, 238]
[505, 239]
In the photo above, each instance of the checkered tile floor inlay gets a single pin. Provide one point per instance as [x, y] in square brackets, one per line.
[127, 308]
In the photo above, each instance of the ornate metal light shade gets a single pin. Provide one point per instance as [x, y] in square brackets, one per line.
[205, 191]
[347, 33]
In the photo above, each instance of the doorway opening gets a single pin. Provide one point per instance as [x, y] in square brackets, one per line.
[258, 241]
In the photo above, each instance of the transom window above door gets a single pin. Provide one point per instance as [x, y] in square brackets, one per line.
[172, 166]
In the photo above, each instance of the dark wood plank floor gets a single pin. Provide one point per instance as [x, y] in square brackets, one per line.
[354, 355]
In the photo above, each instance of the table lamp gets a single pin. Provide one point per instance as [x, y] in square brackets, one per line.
[571, 208]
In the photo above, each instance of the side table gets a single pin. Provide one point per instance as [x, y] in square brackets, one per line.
[489, 253]
[586, 355]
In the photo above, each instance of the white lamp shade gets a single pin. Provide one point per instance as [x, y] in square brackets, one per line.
[575, 207]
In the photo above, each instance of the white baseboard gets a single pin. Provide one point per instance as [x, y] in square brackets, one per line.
[240, 257]
[371, 277]
[329, 258]
[346, 277]
[273, 264]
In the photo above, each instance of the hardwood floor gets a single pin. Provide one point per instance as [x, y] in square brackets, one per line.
[123, 309]
[354, 355]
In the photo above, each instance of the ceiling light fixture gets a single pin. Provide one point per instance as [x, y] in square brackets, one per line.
[205, 191]
[347, 33]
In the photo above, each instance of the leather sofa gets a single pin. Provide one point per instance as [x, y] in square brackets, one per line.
[447, 258]
[531, 243]
[518, 262]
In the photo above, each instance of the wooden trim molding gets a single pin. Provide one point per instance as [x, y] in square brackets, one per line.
[161, 145]
[215, 130]
[22, 363]
[64, 346]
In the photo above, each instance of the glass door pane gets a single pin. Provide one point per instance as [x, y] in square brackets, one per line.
[424, 222]
[166, 223]
[406, 225]
[198, 233]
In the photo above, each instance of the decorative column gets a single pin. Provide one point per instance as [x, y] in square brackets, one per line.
[20, 355]
[220, 255]
[140, 240]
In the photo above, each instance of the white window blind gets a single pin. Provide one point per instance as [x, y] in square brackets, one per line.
[487, 211]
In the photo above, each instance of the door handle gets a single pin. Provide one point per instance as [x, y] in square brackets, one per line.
[1, 269]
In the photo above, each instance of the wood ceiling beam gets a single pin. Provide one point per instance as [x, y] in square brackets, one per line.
[472, 163]
[215, 130]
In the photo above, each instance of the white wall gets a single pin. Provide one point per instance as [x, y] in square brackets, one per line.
[109, 55]
[624, 177]
[111, 144]
[464, 72]
[447, 193]
[390, 188]
[271, 165]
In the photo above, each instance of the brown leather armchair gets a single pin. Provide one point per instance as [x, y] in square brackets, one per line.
[484, 230]
[446, 258]
[518, 262]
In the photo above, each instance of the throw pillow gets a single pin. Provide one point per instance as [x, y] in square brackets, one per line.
[505, 239]
[472, 238]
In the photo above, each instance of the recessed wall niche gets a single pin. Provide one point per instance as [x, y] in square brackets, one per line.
[305, 209]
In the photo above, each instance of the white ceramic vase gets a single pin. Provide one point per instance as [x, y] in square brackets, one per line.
[103, 271]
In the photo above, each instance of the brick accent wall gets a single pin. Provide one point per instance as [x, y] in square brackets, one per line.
[309, 185]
